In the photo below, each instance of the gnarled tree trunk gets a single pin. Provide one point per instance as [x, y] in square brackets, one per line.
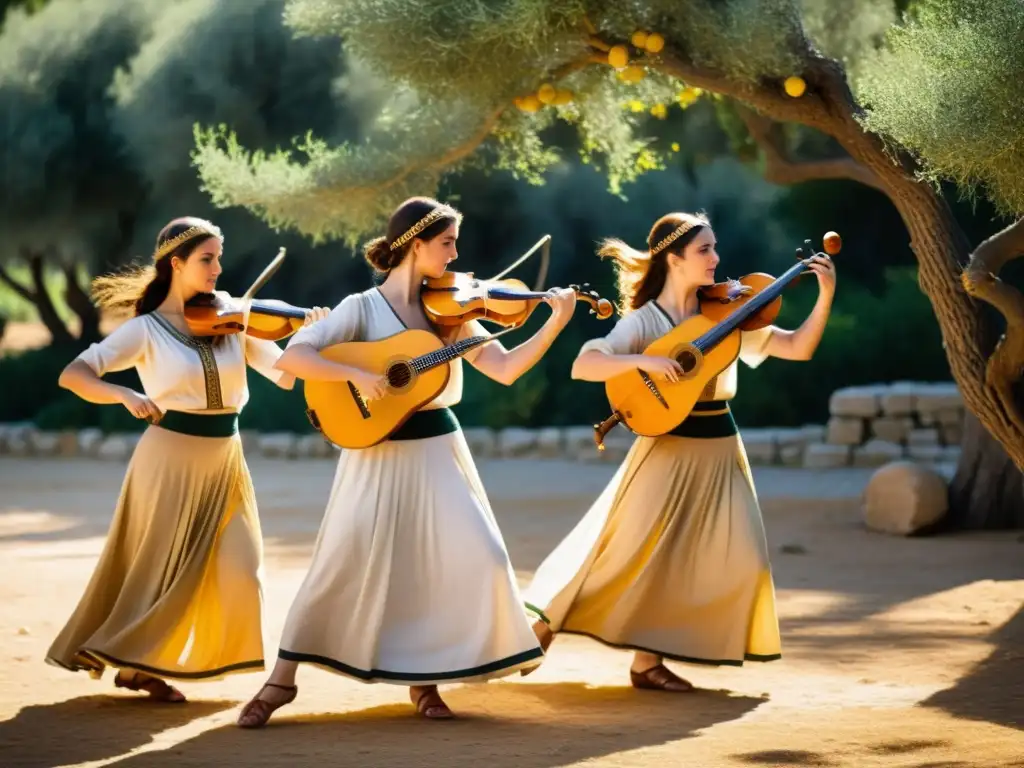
[987, 491]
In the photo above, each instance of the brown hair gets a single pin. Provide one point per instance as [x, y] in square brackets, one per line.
[384, 254]
[641, 275]
[138, 290]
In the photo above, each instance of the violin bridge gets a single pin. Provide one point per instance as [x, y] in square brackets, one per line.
[653, 388]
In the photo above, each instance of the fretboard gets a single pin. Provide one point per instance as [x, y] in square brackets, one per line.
[448, 353]
[752, 307]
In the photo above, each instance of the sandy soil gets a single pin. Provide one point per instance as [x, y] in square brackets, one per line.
[897, 652]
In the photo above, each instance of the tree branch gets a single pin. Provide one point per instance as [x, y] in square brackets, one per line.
[17, 287]
[981, 280]
[779, 169]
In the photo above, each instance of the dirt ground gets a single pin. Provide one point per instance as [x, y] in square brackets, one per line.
[897, 652]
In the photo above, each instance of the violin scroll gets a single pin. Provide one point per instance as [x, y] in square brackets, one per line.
[600, 307]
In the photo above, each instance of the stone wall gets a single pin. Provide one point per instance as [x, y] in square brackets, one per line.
[869, 426]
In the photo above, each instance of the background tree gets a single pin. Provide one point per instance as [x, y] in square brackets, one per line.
[479, 83]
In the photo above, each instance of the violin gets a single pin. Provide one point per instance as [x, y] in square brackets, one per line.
[216, 314]
[210, 314]
[456, 298]
[720, 300]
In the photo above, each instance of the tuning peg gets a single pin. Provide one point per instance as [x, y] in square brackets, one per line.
[799, 254]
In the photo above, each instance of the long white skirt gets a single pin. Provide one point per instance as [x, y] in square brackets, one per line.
[410, 582]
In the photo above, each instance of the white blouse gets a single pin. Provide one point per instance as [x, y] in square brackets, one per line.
[634, 332]
[180, 372]
[367, 316]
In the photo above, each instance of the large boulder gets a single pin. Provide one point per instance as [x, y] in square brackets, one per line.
[903, 497]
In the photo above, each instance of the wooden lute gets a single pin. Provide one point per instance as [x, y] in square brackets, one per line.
[704, 349]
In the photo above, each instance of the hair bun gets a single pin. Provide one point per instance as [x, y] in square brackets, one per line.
[379, 255]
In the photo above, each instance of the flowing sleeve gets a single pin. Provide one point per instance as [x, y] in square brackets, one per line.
[754, 345]
[344, 323]
[468, 330]
[122, 349]
[261, 354]
[625, 338]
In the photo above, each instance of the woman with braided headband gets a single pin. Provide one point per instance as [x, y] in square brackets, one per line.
[410, 582]
[177, 591]
[671, 561]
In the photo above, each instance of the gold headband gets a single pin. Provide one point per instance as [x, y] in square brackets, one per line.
[168, 246]
[419, 226]
[678, 232]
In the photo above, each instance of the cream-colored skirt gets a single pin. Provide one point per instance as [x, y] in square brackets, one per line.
[410, 581]
[670, 559]
[177, 591]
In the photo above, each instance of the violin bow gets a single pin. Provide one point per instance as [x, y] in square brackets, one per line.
[544, 244]
[265, 275]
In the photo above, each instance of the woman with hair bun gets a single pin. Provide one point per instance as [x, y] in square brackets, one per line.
[671, 561]
[410, 582]
[177, 590]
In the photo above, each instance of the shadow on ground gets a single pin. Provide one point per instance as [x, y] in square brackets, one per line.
[994, 690]
[91, 728]
[529, 726]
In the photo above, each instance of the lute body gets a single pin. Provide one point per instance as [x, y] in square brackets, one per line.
[415, 363]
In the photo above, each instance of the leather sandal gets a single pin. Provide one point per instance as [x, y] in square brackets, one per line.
[659, 678]
[157, 689]
[432, 706]
[261, 709]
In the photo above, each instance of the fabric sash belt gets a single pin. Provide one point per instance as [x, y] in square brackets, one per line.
[708, 419]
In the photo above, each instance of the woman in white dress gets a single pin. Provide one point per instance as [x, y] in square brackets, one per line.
[177, 590]
[410, 582]
[671, 561]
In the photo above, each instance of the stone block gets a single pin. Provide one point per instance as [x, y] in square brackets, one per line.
[579, 443]
[89, 441]
[311, 446]
[898, 399]
[863, 402]
[892, 429]
[482, 441]
[876, 453]
[903, 497]
[826, 456]
[516, 441]
[115, 448]
[550, 442]
[277, 445]
[44, 443]
[814, 433]
[934, 397]
[845, 431]
[929, 436]
[793, 455]
[926, 453]
[67, 443]
[761, 446]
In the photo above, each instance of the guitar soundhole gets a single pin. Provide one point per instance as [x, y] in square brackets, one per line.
[687, 360]
[399, 375]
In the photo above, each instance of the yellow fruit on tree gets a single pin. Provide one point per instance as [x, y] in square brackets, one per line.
[546, 93]
[632, 74]
[618, 56]
[659, 111]
[529, 103]
[795, 86]
[562, 97]
[655, 42]
[639, 39]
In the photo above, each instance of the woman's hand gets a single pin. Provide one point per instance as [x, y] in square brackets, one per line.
[825, 270]
[140, 406]
[662, 367]
[370, 385]
[563, 304]
[315, 314]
